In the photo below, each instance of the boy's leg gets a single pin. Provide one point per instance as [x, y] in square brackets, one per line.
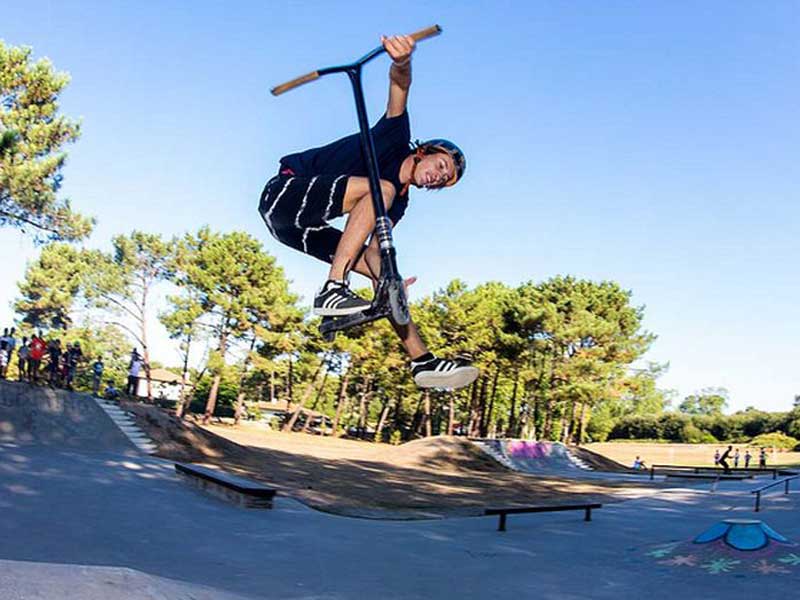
[358, 205]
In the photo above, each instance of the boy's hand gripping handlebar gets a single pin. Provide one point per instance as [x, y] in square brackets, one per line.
[309, 77]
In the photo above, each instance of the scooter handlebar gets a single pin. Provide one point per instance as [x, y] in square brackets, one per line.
[285, 87]
[422, 34]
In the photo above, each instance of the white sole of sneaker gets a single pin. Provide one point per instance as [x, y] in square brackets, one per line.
[457, 378]
[338, 312]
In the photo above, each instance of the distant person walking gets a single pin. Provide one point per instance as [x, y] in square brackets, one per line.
[736, 459]
[762, 458]
[716, 457]
[747, 458]
[723, 460]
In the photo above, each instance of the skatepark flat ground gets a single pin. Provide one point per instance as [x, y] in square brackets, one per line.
[113, 523]
[131, 512]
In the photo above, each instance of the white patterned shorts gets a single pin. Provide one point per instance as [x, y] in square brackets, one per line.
[297, 210]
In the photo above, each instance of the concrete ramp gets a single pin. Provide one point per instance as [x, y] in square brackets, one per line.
[547, 459]
[46, 581]
[41, 416]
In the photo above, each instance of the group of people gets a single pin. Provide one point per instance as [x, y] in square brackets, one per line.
[57, 364]
[722, 459]
[40, 360]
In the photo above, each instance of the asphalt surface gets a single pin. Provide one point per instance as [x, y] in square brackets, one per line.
[106, 522]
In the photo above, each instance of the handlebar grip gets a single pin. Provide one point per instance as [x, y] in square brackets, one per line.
[426, 33]
[285, 87]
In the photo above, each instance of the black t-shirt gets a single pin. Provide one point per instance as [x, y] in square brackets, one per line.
[391, 137]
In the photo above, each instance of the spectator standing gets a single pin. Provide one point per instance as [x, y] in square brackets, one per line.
[97, 375]
[38, 349]
[54, 368]
[134, 357]
[716, 457]
[74, 357]
[736, 459]
[23, 354]
[12, 341]
[5, 354]
[747, 458]
[762, 458]
[3, 360]
[133, 375]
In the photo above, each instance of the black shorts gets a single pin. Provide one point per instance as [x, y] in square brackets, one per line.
[297, 210]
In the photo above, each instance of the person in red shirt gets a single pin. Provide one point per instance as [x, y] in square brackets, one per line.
[38, 348]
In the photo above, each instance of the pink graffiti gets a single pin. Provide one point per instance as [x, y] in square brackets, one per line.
[522, 449]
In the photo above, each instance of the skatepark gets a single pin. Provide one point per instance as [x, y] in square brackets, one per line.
[83, 509]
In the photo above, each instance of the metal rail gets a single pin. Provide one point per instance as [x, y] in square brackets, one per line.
[758, 491]
[732, 470]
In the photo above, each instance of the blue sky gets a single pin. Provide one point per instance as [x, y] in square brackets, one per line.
[654, 144]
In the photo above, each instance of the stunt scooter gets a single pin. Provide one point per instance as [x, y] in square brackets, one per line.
[390, 296]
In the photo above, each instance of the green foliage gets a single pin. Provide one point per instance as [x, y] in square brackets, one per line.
[694, 435]
[226, 395]
[32, 136]
[775, 440]
[710, 401]
[673, 427]
[51, 286]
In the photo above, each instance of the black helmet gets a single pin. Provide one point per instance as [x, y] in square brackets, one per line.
[448, 147]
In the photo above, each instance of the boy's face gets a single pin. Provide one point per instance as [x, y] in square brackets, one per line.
[434, 170]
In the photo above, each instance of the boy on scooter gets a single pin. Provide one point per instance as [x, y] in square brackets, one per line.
[320, 184]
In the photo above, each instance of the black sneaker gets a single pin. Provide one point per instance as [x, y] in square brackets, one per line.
[443, 373]
[335, 300]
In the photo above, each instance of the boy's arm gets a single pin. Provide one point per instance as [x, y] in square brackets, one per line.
[400, 48]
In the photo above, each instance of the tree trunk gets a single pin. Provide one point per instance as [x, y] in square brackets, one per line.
[240, 395]
[482, 421]
[272, 385]
[382, 421]
[320, 389]
[512, 417]
[341, 401]
[183, 404]
[289, 377]
[581, 424]
[426, 403]
[363, 406]
[571, 425]
[289, 426]
[492, 398]
[474, 414]
[145, 347]
[212, 399]
[212, 395]
[397, 418]
[451, 415]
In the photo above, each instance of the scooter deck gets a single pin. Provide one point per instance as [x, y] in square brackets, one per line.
[330, 325]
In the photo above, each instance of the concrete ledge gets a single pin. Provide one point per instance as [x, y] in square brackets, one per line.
[237, 490]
